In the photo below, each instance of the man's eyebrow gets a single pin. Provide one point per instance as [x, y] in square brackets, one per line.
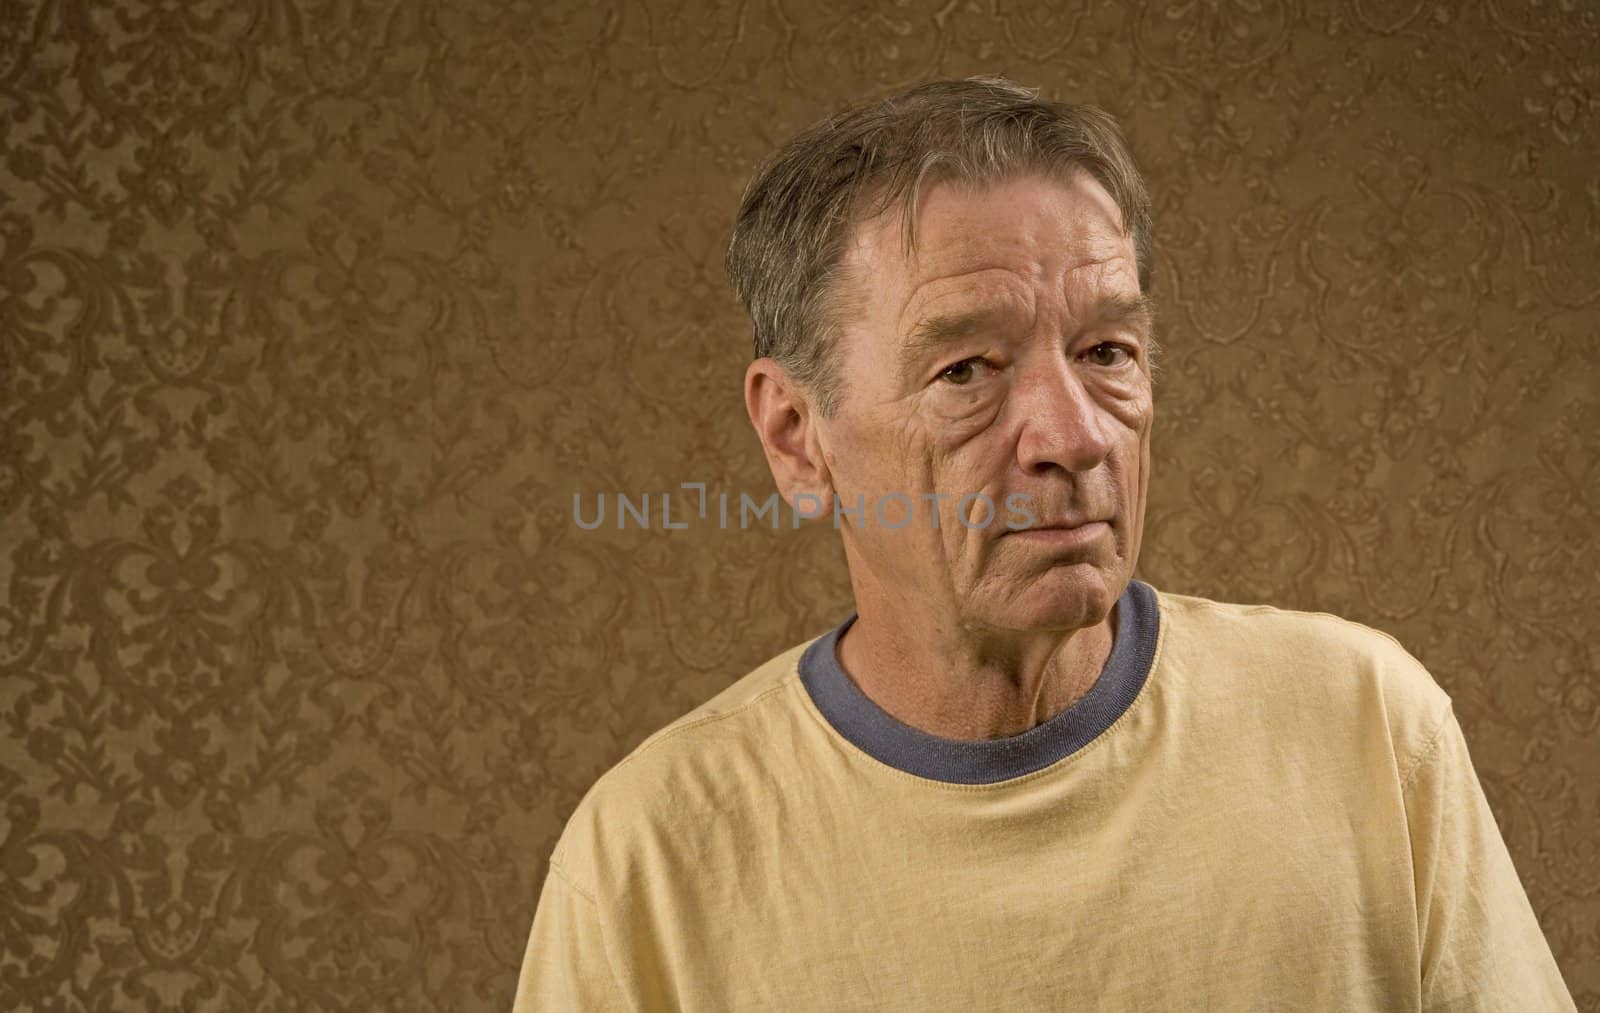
[1129, 308]
[942, 328]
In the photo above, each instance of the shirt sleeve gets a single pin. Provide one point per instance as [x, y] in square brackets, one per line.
[565, 967]
[1482, 948]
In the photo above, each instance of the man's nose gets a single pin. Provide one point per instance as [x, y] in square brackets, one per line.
[1063, 426]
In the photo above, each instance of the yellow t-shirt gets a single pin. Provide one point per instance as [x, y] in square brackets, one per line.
[1251, 809]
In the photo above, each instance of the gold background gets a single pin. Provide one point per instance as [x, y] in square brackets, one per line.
[316, 315]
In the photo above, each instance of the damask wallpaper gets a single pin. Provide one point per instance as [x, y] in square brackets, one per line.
[315, 314]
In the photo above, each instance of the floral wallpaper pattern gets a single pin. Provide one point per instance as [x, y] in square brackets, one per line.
[316, 314]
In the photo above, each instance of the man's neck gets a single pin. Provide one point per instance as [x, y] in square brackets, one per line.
[971, 685]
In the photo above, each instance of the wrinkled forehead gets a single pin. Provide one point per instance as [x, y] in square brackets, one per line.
[1028, 222]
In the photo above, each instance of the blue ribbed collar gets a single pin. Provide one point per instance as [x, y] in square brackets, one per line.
[878, 733]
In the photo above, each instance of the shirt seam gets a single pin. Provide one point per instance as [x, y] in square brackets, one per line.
[605, 944]
[674, 730]
[567, 878]
[1428, 750]
[1242, 609]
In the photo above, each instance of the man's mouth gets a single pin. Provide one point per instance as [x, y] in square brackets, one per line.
[1062, 534]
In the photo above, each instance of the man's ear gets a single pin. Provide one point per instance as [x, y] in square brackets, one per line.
[785, 420]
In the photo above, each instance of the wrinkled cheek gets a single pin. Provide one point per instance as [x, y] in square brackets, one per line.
[1141, 489]
[1144, 458]
[971, 484]
[962, 551]
[949, 433]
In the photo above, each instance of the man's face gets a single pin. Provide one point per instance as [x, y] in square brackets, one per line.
[1007, 357]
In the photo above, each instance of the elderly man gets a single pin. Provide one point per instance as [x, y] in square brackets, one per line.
[1017, 778]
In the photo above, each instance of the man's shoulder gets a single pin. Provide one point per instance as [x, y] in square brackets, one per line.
[744, 692]
[690, 767]
[1318, 664]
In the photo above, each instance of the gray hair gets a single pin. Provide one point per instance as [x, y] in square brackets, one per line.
[796, 214]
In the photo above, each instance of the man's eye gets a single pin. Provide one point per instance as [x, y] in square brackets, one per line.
[1108, 354]
[964, 372]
